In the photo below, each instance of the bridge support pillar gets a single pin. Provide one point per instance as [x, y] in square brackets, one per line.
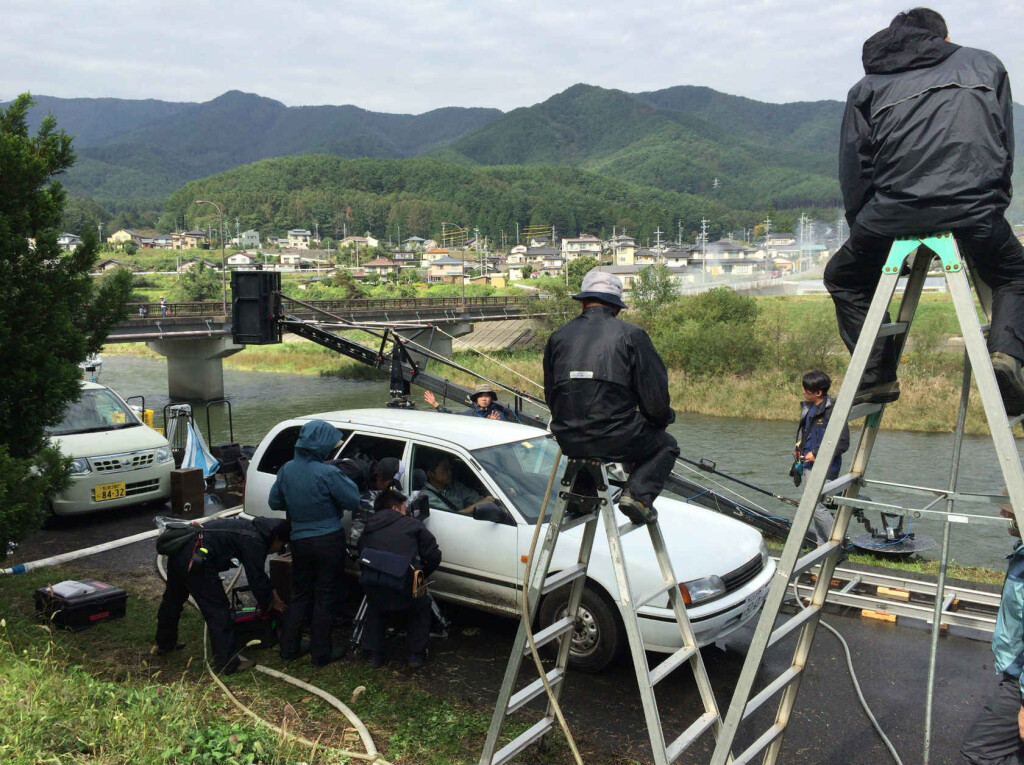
[437, 340]
[195, 368]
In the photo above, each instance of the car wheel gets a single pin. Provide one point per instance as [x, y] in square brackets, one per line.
[598, 635]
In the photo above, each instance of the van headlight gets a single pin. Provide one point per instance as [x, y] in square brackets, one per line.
[698, 591]
[163, 454]
[80, 466]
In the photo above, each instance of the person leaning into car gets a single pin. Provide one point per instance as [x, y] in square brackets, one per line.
[315, 495]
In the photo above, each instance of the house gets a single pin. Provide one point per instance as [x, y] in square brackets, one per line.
[552, 264]
[240, 260]
[189, 240]
[247, 240]
[110, 265]
[414, 243]
[622, 249]
[291, 259]
[540, 253]
[495, 280]
[519, 249]
[540, 241]
[193, 262]
[434, 253]
[515, 273]
[629, 274]
[406, 257]
[163, 242]
[361, 241]
[584, 244]
[779, 238]
[69, 242]
[444, 270]
[298, 238]
[381, 267]
[122, 236]
[517, 258]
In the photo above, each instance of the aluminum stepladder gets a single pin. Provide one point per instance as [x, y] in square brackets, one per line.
[595, 509]
[845, 488]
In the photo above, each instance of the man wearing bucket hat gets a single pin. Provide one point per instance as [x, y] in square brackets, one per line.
[608, 392]
[485, 404]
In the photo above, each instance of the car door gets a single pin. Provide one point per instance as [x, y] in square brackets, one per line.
[479, 558]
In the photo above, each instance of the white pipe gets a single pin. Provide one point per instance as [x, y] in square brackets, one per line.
[85, 552]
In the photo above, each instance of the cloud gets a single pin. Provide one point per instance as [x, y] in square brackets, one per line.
[405, 56]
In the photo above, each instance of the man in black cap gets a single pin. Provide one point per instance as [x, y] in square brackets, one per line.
[485, 404]
[195, 570]
[927, 146]
[608, 392]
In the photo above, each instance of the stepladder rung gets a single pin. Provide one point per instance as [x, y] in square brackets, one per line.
[563, 577]
[534, 689]
[771, 689]
[792, 623]
[656, 593]
[572, 521]
[814, 557]
[863, 410]
[629, 527]
[534, 733]
[839, 484]
[763, 741]
[895, 328]
[698, 728]
[672, 663]
[552, 632]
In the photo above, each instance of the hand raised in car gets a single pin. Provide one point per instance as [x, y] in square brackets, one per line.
[430, 398]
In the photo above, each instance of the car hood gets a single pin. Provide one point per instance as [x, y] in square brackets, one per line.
[700, 542]
[109, 441]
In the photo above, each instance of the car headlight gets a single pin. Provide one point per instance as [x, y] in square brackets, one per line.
[163, 454]
[698, 591]
[80, 466]
[764, 553]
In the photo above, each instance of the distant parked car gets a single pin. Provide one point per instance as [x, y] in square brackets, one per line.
[118, 460]
[722, 565]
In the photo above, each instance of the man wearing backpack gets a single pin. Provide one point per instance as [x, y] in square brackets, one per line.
[194, 569]
[393, 535]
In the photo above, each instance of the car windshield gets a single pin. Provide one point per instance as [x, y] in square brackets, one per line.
[522, 470]
[98, 409]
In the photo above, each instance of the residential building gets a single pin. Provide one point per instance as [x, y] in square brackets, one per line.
[193, 262]
[622, 249]
[247, 240]
[539, 254]
[629, 274]
[519, 249]
[363, 242]
[189, 240]
[291, 259]
[516, 258]
[540, 241]
[240, 260]
[381, 267]
[163, 242]
[444, 270]
[299, 238]
[69, 242]
[121, 237]
[110, 265]
[584, 244]
[434, 253]
[495, 280]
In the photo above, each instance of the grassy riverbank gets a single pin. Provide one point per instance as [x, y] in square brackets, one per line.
[97, 696]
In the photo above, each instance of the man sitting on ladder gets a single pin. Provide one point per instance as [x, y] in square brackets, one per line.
[927, 146]
[608, 392]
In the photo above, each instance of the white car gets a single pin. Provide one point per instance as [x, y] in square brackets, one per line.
[723, 563]
[117, 459]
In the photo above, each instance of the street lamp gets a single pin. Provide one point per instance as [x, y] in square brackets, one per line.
[223, 263]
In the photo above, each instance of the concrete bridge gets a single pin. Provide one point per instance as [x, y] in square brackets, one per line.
[196, 337]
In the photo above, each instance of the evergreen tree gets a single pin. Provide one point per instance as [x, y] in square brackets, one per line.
[52, 317]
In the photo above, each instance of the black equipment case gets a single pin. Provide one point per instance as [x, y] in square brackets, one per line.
[79, 612]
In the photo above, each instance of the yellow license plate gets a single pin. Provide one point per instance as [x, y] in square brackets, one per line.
[109, 491]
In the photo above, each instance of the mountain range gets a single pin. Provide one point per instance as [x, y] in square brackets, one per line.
[734, 151]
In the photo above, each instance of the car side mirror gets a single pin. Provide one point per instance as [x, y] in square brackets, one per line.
[490, 511]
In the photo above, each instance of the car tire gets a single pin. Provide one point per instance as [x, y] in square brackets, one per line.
[599, 635]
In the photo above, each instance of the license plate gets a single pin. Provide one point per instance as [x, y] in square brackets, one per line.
[754, 603]
[109, 491]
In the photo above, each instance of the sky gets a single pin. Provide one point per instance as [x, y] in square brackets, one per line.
[411, 56]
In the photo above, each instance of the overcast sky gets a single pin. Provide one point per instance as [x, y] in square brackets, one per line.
[416, 55]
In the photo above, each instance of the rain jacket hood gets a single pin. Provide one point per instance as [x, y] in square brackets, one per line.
[316, 440]
[900, 49]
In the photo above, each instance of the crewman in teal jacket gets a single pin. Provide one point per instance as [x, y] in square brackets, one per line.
[997, 736]
[315, 496]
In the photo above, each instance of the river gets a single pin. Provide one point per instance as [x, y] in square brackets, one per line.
[757, 451]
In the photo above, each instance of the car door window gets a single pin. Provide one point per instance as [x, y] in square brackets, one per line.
[372, 446]
[281, 449]
[449, 483]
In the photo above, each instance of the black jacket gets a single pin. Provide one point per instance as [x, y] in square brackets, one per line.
[606, 385]
[245, 540]
[927, 136]
[810, 435]
[393, 532]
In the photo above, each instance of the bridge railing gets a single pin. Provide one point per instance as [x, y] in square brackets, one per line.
[209, 308]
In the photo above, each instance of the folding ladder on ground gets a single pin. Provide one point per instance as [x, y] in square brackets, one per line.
[573, 509]
[843, 490]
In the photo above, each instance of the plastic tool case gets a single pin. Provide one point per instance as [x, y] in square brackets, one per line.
[77, 605]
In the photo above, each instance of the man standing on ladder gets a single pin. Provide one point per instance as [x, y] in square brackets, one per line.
[927, 146]
[608, 392]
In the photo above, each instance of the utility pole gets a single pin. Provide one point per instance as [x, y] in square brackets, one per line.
[703, 248]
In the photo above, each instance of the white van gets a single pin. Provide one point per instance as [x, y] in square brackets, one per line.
[118, 460]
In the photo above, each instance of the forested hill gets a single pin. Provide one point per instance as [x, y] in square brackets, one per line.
[416, 195]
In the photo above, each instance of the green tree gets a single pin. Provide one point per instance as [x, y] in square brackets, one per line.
[527, 270]
[197, 284]
[130, 248]
[654, 288]
[578, 269]
[52, 317]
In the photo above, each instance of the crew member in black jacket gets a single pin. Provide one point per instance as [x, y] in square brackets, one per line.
[927, 146]
[608, 392]
[391, 530]
[250, 542]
